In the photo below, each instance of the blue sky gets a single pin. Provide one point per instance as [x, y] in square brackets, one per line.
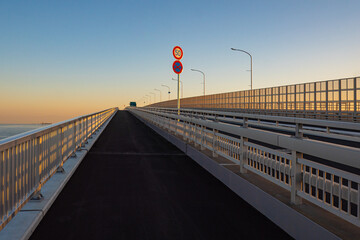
[60, 59]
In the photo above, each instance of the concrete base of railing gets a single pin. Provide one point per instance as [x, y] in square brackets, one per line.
[28, 218]
[286, 217]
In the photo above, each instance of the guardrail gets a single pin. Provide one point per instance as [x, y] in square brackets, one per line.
[333, 99]
[28, 160]
[283, 159]
[335, 130]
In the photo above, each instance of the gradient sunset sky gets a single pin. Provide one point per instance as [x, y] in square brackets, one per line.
[61, 59]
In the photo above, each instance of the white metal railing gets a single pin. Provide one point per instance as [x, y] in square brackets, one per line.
[330, 188]
[322, 128]
[27, 160]
[270, 164]
[279, 160]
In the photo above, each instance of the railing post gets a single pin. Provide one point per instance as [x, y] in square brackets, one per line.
[298, 130]
[92, 126]
[83, 132]
[195, 134]
[169, 124]
[38, 156]
[87, 129]
[74, 140]
[60, 146]
[245, 122]
[355, 101]
[176, 127]
[184, 131]
[243, 154]
[296, 178]
[214, 143]
[202, 145]
[192, 129]
[339, 100]
[2, 185]
[327, 100]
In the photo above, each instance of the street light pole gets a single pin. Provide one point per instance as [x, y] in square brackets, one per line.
[149, 98]
[203, 77]
[251, 70]
[144, 99]
[159, 92]
[154, 96]
[181, 87]
[168, 89]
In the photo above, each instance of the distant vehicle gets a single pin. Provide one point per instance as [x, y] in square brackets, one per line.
[132, 104]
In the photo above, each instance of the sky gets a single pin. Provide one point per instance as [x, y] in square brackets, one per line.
[62, 59]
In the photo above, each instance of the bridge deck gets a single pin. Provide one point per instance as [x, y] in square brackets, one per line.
[133, 184]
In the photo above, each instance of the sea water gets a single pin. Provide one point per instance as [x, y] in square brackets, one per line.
[8, 130]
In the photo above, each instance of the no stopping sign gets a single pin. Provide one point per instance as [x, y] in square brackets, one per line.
[177, 67]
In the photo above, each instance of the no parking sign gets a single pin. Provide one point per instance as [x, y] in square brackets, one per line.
[177, 67]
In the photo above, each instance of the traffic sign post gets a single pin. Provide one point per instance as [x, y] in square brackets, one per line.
[178, 68]
[178, 95]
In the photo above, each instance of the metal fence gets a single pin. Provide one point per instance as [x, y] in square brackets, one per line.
[28, 160]
[334, 99]
[284, 159]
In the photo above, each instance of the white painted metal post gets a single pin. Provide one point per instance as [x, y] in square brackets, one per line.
[38, 155]
[202, 138]
[74, 140]
[184, 130]
[245, 122]
[2, 184]
[60, 153]
[243, 154]
[355, 100]
[214, 143]
[195, 134]
[296, 177]
[298, 130]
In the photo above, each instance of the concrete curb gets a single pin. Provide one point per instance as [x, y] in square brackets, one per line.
[294, 223]
[28, 218]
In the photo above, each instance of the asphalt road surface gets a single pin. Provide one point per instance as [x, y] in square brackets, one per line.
[133, 184]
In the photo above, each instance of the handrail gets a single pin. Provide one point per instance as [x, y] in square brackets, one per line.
[48, 127]
[346, 132]
[285, 160]
[344, 155]
[29, 159]
[293, 120]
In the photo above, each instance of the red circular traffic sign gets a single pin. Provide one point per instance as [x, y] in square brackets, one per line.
[177, 52]
[177, 67]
